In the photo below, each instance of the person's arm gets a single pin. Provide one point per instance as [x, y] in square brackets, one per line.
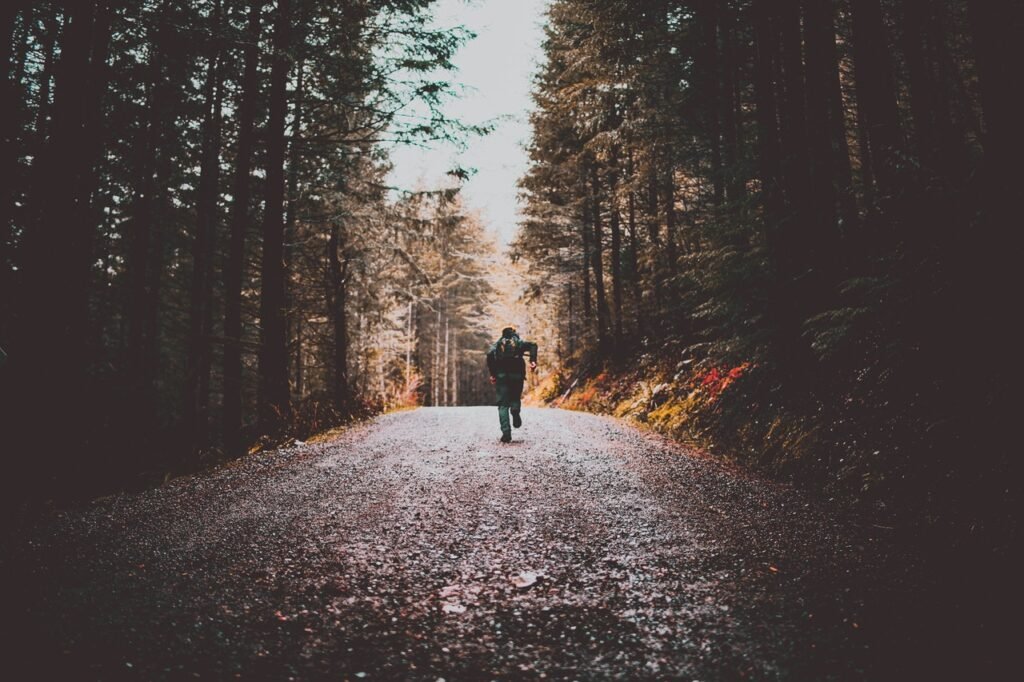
[532, 349]
[492, 364]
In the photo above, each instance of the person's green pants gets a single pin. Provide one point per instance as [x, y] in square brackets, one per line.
[510, 391]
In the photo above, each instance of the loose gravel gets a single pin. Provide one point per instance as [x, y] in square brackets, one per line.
[419, 547]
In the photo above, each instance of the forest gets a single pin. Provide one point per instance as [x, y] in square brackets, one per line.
[200, 251]
[777, 229]
[769, 242]
[780, 229]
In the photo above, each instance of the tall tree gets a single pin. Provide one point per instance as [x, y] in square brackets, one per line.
[597, 262]
[876, 92]
[337, 305]
[198, 361]
[239, 219]
[275, 399]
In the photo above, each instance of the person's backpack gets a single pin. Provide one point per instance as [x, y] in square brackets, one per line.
[509, 348]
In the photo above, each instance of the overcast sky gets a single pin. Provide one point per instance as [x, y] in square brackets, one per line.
[496, 70]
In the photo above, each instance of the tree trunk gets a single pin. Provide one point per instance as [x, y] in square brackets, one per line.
[53, 247]
[291, 214]
[571, 319]
[337, 304]
[710, 92]
[145, 243]
[197, 362]
[653, 228]
[300, 367]
[358, 383]
[867, 175]
[953, 112]
[455, 368]
[274, 398]
[95, 138]
[137, 272]
[793, 124]
[597, 265]
[435, 375]
[447, 333]
[634, 266]
[876, 91]
[408, 344]
[735, 186]
[770, 165]
[768, 152]
[616, 259]
[837, 120]
[235, 264]
[50, 348]
[669, 189]
[920, 79]
[819, 37]
[585, 226]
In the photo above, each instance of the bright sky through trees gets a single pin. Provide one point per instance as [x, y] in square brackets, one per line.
[495, 71]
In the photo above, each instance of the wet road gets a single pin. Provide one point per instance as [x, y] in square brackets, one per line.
[418, 547]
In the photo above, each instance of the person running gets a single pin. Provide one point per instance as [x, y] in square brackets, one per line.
[508, 371]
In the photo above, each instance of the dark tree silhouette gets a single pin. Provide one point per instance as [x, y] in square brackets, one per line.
[175, 171]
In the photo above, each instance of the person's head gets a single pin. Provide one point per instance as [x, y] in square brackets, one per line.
[508, 331]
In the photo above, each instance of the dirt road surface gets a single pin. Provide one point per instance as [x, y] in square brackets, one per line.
[418, 547]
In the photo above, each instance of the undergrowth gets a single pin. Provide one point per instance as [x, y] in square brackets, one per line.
[868, 447]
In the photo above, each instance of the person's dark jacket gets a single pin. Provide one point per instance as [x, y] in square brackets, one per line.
[499, 366]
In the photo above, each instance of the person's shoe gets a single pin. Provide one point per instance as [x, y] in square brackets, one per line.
[506, 438]
[517, 421]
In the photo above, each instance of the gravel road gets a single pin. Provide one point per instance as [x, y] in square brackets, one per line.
[419, 547]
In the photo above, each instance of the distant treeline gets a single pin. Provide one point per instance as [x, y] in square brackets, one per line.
[812, 203]
[198, 248]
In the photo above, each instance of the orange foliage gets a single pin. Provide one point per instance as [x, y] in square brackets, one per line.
[588, 394]
[717, 379]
